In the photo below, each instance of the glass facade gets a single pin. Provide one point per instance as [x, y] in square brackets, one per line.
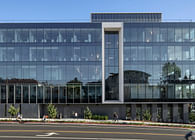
[111, 65]
[62, 62]
[50, 63]
[159, 61]
[126, 17]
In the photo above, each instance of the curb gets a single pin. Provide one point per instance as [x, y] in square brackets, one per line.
[95, 122]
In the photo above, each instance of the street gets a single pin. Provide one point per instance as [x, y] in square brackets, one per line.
[88, 132]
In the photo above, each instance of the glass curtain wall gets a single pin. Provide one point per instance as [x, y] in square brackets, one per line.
[159, 61]
[111, 65]
[44, 59]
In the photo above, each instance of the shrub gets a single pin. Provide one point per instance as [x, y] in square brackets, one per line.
[95, 117]
[147, 115]
[192, 117]
[105, 117]
[52, 111]
[13, 111]
[102, 117]
[87, 113]
[98, 117]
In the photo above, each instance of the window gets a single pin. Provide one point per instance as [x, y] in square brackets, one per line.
[33, 94]
[148, 33]
[178, 53]
[25, 94]
[171, 35]
[192, 34]
[163, 35]
[178, 34]
[156, 35]
[171, 53]
[186, 35]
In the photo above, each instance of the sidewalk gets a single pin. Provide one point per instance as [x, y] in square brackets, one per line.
[95, 122]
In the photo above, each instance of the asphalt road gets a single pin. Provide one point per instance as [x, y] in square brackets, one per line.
[88, 132]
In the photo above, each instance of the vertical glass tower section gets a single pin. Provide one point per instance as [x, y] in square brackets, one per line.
[111, 65]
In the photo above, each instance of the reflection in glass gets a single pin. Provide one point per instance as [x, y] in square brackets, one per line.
[111, 65]
[18, 94]
[25, 94]
[55, 95]
[39, 94]
[11, 94]
[33, 94]
[3, 94]
[47, 94]
[62, 94]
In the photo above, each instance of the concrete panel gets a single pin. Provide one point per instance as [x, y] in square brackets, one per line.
[29, 110]
[2, 110]
[144, 108]
[175, 113]
[185, 113]
[133, 112]
[165, 112]
[154, 112]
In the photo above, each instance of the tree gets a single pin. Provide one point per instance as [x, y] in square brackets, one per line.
[52, 111]
[171, 71]
[13, 111]
[87, 113]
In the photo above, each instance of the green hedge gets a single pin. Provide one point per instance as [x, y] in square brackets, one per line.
[100, 117]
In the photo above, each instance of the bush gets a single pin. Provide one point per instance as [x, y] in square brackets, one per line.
[105, 117]
[95, 117]
[99, 117]
[102, 117]
[52, 111]
[147, 115]
[87, 113]
[192, 117]
[13, 111]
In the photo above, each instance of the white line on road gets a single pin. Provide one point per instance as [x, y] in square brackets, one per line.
[47, 134]
[64, 138]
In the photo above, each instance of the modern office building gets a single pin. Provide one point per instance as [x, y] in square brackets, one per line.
[127, 63]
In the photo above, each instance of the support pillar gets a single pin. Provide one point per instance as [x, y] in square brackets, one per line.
[38, 111]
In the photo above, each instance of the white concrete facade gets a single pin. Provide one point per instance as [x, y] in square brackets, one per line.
[113, 26]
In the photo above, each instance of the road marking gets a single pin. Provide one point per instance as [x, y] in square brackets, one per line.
[65, 138]
[95, 132]
[47, 134]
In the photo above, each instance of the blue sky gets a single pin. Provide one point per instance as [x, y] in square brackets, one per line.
[79, 10]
